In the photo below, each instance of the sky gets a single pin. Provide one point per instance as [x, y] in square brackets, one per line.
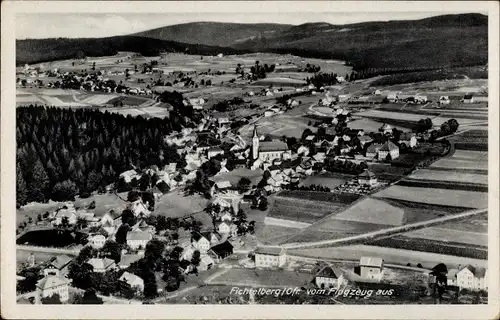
[72, 25]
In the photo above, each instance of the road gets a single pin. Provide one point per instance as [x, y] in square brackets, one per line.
[383, 232]
[35, 249]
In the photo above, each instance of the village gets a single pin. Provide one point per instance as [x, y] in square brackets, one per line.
[241, 178]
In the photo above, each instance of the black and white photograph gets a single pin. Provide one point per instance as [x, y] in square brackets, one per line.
[251, 156]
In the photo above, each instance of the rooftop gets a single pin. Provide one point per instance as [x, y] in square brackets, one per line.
[51, 282]
[389, 146]
[139, 235]
[371, 262]
[61, 261]
[329, 272]
[275, 251]
[99, 263]
[269, 146]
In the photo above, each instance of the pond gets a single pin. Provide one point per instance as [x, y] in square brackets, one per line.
[52, 238]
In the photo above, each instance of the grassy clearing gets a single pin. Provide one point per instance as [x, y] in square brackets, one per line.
[271, 234]
[445, 197]
[301, 210]
[175, 204]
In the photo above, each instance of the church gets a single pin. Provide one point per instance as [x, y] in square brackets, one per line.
[267, 151]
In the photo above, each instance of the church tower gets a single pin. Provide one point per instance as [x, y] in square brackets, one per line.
[255, 144]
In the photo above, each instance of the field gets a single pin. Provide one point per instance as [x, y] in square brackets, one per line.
[175, 204]
[156, 110]
[463, 160]
[302, 210]
[280, 82]
[447, 176]
[453, 248]
[325, 179]
[262, 278]
[477, 223]
[278, 126]
[273, 235]
[474, 140]
[449, 235]
[446, 197]
[235, 176]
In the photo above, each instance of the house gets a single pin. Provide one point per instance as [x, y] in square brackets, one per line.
[223, 227]
[367, 178]
[377, 92]
[138, 239]
[342, 97]
[134, 281]
[200, 242]
[214, 151]
[206, 262]
[127, 259]
[268, 113]
[226, 216]
[102, 264]
[420, 99]
[371, 267]
[140, 208]
[65, 213]
[472, 278]
[329, 277]
[386, 129]
[222, 250]
[129, 175]
[187, 254]
[468, 98]
[372, 150]
[392, 97]
[388, 148]
[270, 257]
[97, 241]
[444, 100]
[52, 284]
[303, 150]
[408, 139]
[61, 264]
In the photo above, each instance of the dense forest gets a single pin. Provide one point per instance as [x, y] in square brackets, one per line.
[65, 152]
[42, 50]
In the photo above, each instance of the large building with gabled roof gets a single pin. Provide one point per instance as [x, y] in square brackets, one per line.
[267, 151]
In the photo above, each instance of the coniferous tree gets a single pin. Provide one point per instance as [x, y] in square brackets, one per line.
[37, 185]
[21, 191]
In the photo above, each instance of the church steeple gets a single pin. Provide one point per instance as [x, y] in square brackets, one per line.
[255, 144]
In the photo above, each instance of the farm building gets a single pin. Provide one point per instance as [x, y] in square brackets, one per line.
[329, 277]
[61, 263]
[408, 139]
[420, 99]
[371, 268]
[343, 97]
[270, 257]
[452, 277]
[377, 92]
[222, 250]
[375, 211]
[372, 150]
[468, 98]
[367, 178]
[472, 278]
[388, 149]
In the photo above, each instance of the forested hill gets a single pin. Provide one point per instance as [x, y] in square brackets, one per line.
[42, 50]
[437, 42]
[213, 33]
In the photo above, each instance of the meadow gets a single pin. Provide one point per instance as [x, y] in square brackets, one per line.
[446, 197]
[447, 176]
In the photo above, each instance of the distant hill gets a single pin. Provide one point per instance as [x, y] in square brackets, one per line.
[42, 50]
[214, 33]
[381, 47]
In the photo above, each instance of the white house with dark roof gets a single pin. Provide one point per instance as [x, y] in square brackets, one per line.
[134, 281]
[138, 239]
[371, 268]
[468, 98]
[386, 129]
[101, 265]
[61, 263]
[444, 100]
[329, 277]
[367, 178]
[52, 284]
[472, 278]
[270, 257]
[97, 241]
